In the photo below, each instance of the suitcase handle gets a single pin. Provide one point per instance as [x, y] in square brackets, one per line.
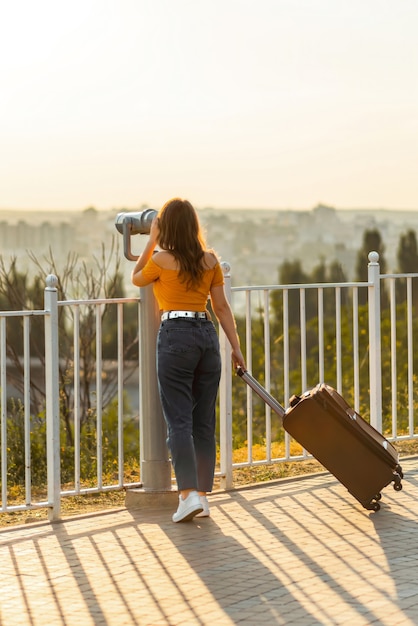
[259, 390]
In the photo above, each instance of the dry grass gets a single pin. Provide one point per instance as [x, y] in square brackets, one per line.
[90, 503]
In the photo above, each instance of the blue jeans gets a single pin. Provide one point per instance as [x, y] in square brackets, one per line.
[188, 370]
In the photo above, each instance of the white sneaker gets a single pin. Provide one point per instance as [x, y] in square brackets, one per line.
[188, 508]
[206, 511]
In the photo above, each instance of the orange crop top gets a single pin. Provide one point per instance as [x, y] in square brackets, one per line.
[173, 295]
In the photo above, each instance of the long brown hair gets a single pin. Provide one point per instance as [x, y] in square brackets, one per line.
[182, 236]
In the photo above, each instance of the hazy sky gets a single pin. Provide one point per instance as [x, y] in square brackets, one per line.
[229, 103]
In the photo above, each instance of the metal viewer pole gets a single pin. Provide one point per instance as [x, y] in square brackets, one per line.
[155, 464]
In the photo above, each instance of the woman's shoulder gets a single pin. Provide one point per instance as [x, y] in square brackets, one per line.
[211, 259]
[165, 260]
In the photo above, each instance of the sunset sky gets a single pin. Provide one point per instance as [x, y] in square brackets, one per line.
[229, 103]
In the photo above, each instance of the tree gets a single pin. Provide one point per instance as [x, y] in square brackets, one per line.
[336, 273]
[75, 281]
[407, 257]
[17, 294]
[372, 241]
[291, 273]
[407, 254]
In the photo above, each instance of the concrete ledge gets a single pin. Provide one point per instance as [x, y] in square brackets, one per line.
[141, 499]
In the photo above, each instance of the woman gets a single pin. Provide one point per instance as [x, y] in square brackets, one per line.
[184, 274]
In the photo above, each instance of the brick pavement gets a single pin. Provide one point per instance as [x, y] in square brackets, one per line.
[299, 551]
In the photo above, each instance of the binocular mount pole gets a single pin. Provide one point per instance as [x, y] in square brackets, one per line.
[155, 464]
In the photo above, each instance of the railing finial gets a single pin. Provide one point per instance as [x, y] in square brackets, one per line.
[226, 268]
[373, 257]
[51, 281]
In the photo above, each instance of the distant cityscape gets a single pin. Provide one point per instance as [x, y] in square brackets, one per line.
[255, 242]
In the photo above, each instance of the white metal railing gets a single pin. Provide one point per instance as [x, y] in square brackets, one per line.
[395, 326]
[266, 291]
[26, 316]
[53, 364]
[279, 345]
[349, 376]
[98, 305]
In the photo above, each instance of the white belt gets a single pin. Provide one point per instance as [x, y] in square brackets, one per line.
[189, 315]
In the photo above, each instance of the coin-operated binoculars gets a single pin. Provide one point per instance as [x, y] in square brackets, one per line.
[155, 463]
[134, 224]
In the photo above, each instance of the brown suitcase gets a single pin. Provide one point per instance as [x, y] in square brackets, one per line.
[321, 421]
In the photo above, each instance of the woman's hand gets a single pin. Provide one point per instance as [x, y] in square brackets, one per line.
[143, 259]
[154, 231]
[238, 359]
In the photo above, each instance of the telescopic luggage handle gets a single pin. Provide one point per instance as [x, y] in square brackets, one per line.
[260, 391]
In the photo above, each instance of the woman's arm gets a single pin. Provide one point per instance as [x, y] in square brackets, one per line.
[146, 255]
[222, 310]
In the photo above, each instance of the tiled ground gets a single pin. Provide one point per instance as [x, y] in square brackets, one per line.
[300, 551]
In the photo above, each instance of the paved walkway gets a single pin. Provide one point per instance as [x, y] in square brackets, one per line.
[299, 551]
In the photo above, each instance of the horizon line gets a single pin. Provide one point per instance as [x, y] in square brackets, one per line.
[208, 207]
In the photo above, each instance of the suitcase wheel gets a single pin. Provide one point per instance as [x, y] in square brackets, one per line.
[373, 506]
[398, 469]
[397, 482]
[377, 497]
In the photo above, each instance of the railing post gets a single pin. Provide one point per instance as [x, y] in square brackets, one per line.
[52, 398]
[375, 356]
[155, 464]
[225, 397]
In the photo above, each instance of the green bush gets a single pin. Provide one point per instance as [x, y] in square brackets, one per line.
[16, 461]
